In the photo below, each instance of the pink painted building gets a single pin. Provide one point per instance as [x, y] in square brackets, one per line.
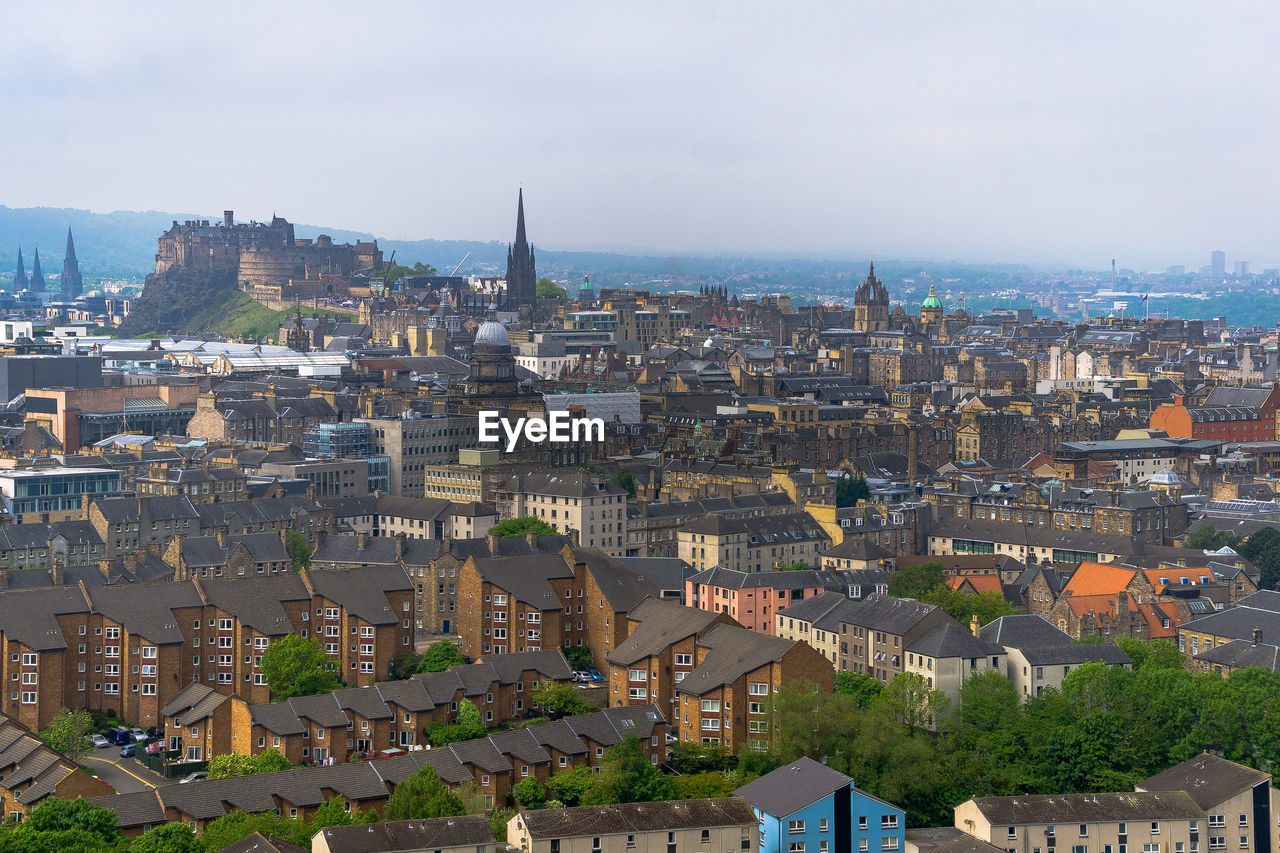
[754, 598]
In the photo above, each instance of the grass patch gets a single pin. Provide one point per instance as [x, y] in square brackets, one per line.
[238, 315]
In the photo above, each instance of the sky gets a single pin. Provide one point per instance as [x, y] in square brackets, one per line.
[992, 131]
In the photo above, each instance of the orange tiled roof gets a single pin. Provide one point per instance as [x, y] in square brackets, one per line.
[1155, 622]
[981, 583]
[1099, 579]
[1083, 605]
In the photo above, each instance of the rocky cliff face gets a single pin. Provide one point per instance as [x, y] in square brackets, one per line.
[170, 301]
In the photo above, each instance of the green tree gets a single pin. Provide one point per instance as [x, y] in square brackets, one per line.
[1263, 550]
[168, 838]
[1153, 654]
[391, 273]
[626, 776]
[514, 528]
[563, 699]
[569, 786]
[467, 726]
[294, 666]
[235, 825]
[862, 687]
[68, 732]
[299, 551]
[419, 268]
[697, 786]
[548, 289]
[233, 764]
[62, 826]
[916, 580]
[230, 765]
[1210, 538]
[439, 656]
[336, 811]
[422, 796]
[690, 757]
[498, 823]
[579, 657]
[797, 566]
[529, 793]
[402, 666]
[963, 606]
[913, 702]
[626, 480]
[850, 489]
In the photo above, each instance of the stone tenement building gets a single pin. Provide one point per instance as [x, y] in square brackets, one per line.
[262, 254]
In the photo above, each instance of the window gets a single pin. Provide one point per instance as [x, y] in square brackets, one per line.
[889, 842]
[1217, 821]
[684, 660]
[888, 821]
[637, 693]
[822, 824]
[758, 689]
[795, 827]
[637, 675]
[1012, 833]
[1155, 827]
[796, 847]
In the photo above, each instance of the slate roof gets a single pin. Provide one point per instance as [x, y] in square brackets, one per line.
[665, 573]
[363, 591]
[527, 579]
[732, 652]
[193, 702]
[661, 624]
[1074, 654]
[792, 787]
[637, 817]
[886, 613]
[256, 842]
[622, 587]
[950, 640]
[1209, 779]
[1088, 808]
[408, 835]
[1242, 653]
[1022, 631]
[734, 579]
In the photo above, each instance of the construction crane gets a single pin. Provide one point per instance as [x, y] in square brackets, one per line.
[459, 266]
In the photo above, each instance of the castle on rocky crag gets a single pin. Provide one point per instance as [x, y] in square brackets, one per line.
[268, 261]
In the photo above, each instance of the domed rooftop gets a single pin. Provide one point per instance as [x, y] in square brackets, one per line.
[493, 333]
[932, 300]
[1165, 477]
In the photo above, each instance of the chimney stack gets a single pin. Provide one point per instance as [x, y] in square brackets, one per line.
[492, 539]
[362, 540]
[532, 539]
[222, 538]
[1257, 636]
[228, 218]
[974, 625]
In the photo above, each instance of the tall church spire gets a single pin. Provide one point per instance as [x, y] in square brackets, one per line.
[37, 277]
[522, 276]
[20, 274]
[520, 236]
[72, 284]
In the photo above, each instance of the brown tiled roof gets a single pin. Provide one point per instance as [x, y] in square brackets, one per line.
[638, 817]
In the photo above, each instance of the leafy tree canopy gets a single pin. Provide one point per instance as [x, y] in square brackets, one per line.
[68, 732]
[1263, 550]
[569, 786]
[421, 796]
[579, 657]
[299, 550]
[626, 480]
[914, 581]
[1210, 538]
[234, 764]
[512, 528]
[168, 838]
[548, 289]
[563, 699]
[294, 666]
[467, 726]
[439, 656]
[626, 776]
[850, 489]
[862, 687]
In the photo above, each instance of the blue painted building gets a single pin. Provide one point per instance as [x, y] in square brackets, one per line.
[806, 807]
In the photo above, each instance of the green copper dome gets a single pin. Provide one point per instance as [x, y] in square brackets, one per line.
[932, 300]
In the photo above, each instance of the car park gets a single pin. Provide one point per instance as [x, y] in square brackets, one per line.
[99, 742]
[128, 750]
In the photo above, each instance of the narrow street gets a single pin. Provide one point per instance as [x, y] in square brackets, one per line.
[126, 775]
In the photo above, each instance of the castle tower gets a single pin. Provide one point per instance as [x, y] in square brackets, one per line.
[72, 284]
[522, 275]
[931, 308]
[871, 304]
[20, 274]
[37, 277]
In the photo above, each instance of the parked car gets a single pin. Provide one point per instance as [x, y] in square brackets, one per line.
[120, 736]
[595, 676]
[128, 750]
[581, 675]
[138, 735]
[193, 777]
[155, 731]
[99, 742]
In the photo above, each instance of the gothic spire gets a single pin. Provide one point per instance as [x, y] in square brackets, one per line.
[72, 284]
[37, 277]
[520, 236]
[20, 274]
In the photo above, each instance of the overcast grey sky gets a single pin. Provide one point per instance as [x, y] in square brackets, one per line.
[1061, 132]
